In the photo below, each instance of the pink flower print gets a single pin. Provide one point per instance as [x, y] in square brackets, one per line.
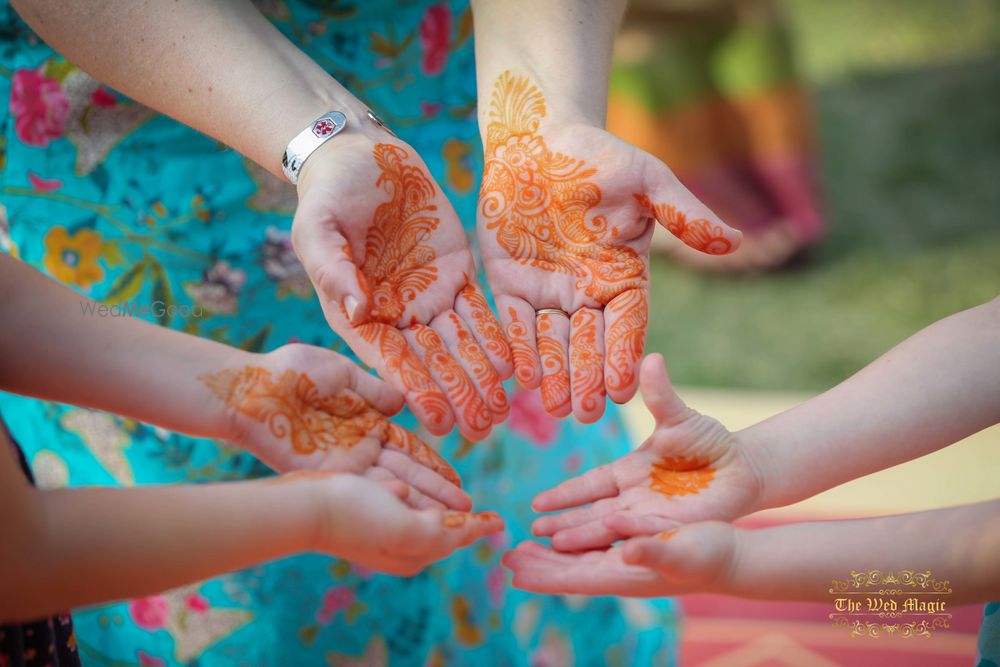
[528, 418]
[104, 98]
[196, 602]
[43, 184]
[430, 109]
[496, 585]
[39, 107]
[362, 571]
[150, 613]
[435, 36]
[572, 463]
[147, 660]
[334, 600]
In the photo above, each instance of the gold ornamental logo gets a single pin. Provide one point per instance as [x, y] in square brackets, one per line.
[904, 603]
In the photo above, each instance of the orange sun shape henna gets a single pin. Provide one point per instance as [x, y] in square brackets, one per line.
[680, 476]
[538, 202]
[699, 234]
[398, 266]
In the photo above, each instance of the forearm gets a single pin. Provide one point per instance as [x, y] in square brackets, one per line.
[55, 346]
[932, 390]
[563, 46]
[97, 545]
[799, 561]
[219, 67]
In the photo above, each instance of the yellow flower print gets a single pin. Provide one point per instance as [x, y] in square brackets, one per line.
[73, 259]
[456, 156]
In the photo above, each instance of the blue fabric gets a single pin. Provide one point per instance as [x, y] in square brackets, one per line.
[129, 206]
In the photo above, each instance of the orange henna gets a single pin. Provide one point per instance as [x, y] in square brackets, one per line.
[627, 317]
[485, 322]
[555, 380]
[699, 234]
[521, 350]
[667, 534]
[421, 452]
[586, 361]
[300, 474]
[460, 389]
[292, 407]
[459, 519]
[400, 359]
[538, 202]
[482, 369]
[680, 476]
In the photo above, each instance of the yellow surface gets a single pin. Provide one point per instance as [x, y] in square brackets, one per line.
[966, 472]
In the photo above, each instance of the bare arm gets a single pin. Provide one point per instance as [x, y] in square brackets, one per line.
[933, 389]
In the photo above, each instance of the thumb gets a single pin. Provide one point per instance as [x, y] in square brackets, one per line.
[685, 216]
[658, 393]
[327, 258]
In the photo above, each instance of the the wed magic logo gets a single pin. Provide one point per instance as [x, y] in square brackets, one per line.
[904, 603]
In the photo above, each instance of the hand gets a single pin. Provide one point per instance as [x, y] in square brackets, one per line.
[565, 221]
[305, 407]
[368, 524]
[690, 469]
[695, 558]
[391, 264]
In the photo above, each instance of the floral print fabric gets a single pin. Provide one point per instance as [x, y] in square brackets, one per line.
[161, 222]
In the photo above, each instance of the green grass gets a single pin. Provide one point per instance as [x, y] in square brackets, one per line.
[911, 169]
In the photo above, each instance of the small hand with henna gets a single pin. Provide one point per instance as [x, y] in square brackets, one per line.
[303, 407]
[690, 469]
[565, 221]
[391, 264]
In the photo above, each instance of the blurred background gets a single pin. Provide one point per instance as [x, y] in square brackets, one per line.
[857, 143]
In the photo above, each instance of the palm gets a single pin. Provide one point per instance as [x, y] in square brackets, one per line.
[690, 469]
[307, 408]
[391, 263]
[565, 222]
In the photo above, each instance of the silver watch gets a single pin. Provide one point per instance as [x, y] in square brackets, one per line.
[308, 140]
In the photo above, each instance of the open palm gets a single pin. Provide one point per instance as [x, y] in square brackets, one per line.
[565, 221]
[303, 407]
[690, 469]
[390, 262]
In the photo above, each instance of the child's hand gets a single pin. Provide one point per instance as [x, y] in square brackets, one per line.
[690, 469]
[693, 558]
[368, 524]
[305, 407]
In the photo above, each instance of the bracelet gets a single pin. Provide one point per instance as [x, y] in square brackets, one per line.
[308, 140]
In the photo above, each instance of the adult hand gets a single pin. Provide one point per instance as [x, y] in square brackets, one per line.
[690, 469]
[303, 407]
[565, 221]
[390, 262]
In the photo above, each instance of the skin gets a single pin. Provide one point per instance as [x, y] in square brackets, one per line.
[138, 541]
[51, 349]
[568, 204]
[847, 432]
[156, 52]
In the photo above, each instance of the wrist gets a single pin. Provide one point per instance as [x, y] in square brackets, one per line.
[754, 447]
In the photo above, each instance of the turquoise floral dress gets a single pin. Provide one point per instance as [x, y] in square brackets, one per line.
[132, 208]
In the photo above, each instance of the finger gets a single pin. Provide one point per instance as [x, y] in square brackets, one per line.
[326, 256]
[405, 441]
[658, 393]
[425, 480]
[553, 335]
[463, 346]
[586, 488]
[586, 364]
[626, 319]
[685, 216]
[553, 523]
[518, 317]
[638, 525]
[395, 360]
[473, 418]
[463, 528]
[696, 552]
[581, 578]
[472, 307]
[390, 482]
[376, 392]
[591, 535]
